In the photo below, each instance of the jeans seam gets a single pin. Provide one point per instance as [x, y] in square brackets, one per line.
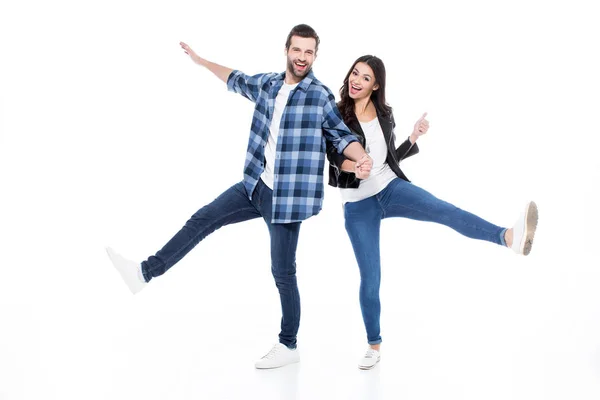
[350, 230]
[444, 217]
[295, 310]
[379, 202]
[204, 230]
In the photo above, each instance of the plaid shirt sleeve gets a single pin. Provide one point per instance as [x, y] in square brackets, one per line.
[334, 129]
[247, 86]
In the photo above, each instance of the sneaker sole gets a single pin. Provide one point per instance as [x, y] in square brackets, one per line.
[277, 366]
[365, 368]
[531, 220]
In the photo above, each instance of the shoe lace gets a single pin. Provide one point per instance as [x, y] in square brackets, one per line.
[370, 353]
[272, 352]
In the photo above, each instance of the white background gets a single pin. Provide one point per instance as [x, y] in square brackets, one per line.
[110, 135]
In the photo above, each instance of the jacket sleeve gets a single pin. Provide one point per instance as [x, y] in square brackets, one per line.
[336, 159]
[336, 174]
[406, 148]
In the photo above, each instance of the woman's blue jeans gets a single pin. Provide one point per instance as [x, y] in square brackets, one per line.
[400, 199]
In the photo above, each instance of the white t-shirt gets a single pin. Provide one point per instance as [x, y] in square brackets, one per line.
[268, 174]
[381, 173]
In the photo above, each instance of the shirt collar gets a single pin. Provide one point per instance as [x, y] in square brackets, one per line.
[303, 84]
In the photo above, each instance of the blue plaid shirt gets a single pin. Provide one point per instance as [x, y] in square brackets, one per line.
[310, 117]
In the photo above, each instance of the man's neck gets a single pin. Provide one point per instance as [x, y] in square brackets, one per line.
[291, 79]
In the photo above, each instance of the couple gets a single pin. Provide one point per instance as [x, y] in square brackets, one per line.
[296, 122]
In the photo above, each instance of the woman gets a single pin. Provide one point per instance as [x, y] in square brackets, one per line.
[387, 192]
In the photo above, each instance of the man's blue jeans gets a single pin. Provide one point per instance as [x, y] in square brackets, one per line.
[229, 208]
[400, 199]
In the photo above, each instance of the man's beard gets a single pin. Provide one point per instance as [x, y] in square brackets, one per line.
[291, 67]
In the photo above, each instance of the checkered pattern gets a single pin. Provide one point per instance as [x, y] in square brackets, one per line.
[310, 118]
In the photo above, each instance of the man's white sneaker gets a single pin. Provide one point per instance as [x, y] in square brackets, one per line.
[279, 356]
[370, 359]
[130, 271]
[524, 229]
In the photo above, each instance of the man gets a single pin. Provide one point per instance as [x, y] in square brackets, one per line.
[283, 176]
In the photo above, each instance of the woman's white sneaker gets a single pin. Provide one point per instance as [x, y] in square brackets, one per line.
[524, 229]
[130, 271]
[279, 356]
[370, 359]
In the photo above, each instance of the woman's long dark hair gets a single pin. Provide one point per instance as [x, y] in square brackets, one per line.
[346, 104]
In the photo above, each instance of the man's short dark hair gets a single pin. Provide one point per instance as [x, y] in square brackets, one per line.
[304, 31]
